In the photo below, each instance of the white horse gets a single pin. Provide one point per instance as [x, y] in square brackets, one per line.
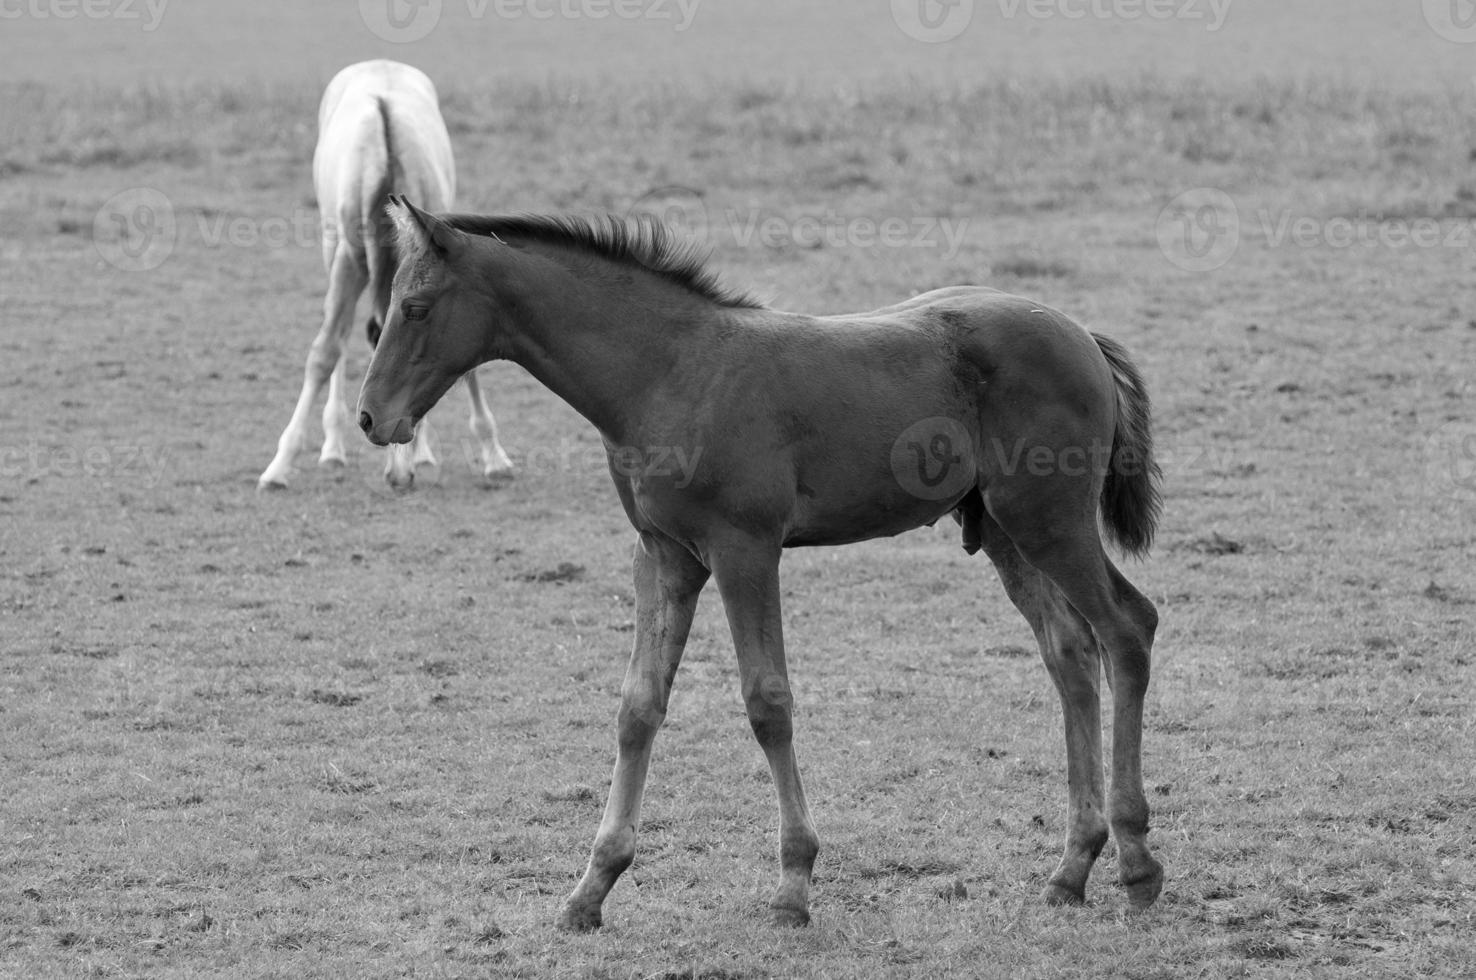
[380, 132]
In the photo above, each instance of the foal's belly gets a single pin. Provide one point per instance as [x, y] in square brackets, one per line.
[878, 507]
[882, 466]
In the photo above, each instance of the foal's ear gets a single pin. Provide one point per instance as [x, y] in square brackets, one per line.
[421, 231]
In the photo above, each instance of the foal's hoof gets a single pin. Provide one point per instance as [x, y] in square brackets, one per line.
[788, 915]
[1057, 894]
[1143, 890]
[265, 485]
[580, 919]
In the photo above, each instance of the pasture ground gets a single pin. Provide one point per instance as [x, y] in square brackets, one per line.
[334, 731]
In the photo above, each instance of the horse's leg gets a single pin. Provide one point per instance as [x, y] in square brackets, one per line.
[1069, 552]
[1071, 658]
[495, 462]
[668, 580]
[400, 461]
[347, 277]
[1127, 675]
[749, 581]
[423, 455]
[336, 419]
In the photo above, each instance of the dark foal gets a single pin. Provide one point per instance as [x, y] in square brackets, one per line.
[807, 431]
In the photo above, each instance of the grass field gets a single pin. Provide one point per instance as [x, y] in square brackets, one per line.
[339, 732]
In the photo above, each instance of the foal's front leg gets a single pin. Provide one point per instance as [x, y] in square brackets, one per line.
[749, 581]
[668, 579]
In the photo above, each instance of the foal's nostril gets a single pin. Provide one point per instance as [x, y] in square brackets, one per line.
[365, 422]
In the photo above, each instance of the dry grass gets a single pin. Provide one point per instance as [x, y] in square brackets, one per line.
[333, 731]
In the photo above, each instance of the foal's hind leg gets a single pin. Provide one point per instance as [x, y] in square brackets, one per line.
[1070, 554]
[347, 277]
[1072, 659]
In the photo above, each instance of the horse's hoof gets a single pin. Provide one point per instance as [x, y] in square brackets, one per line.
[402, 484]
[580, 919]
[499, 474]
[332, 462]
[1143, 891]
[266, 485]
[1056, 894]
[789, 916]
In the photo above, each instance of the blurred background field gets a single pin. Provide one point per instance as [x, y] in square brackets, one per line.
[826, 42]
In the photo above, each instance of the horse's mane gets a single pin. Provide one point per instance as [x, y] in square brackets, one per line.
[642, 241]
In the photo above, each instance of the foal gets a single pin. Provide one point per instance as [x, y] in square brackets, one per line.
[379, 132]
[806, 430]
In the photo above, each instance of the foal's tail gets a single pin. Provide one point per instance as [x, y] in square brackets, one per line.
[1130, 496]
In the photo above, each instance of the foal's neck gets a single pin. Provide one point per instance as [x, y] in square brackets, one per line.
[599, 334]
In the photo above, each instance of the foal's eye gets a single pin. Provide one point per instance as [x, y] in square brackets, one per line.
[415, 311]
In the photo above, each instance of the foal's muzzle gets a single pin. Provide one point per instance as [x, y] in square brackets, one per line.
[383, 433]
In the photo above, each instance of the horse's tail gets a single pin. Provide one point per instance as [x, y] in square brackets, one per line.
[1131, 501]
[379, 236]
